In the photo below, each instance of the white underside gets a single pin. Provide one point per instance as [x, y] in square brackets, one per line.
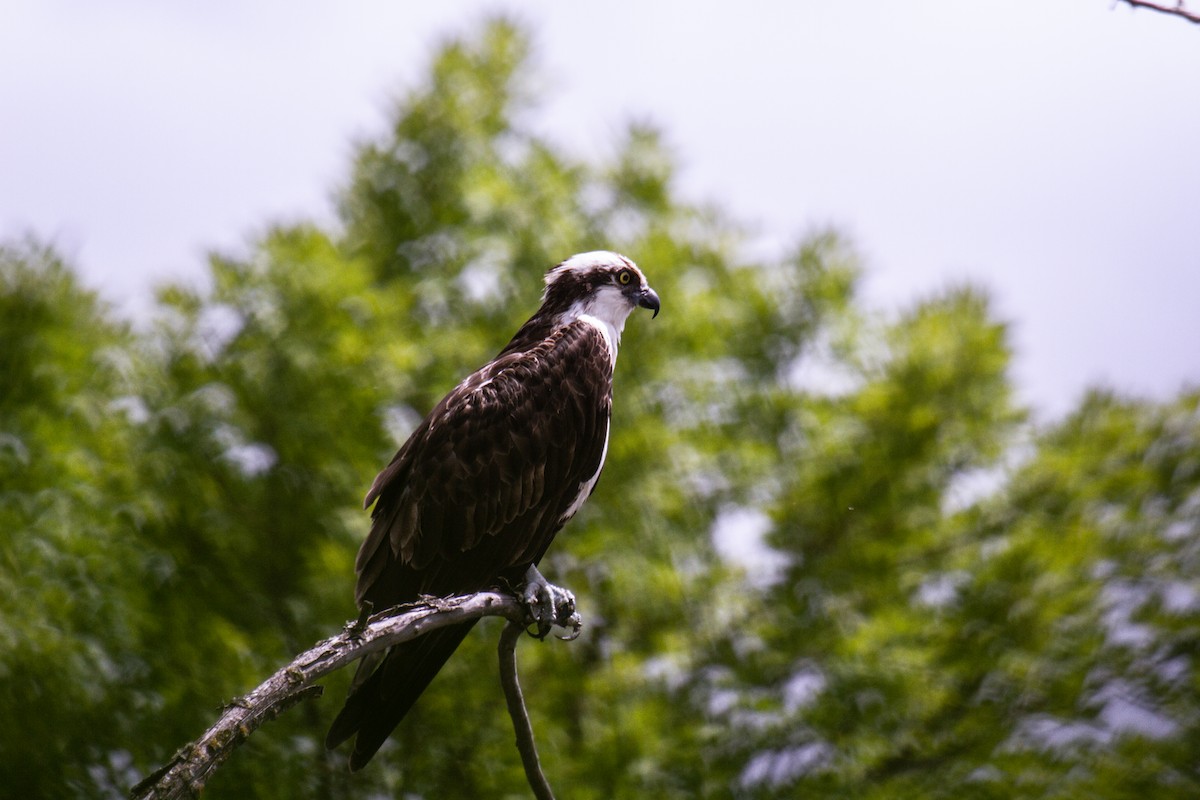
[585, 488]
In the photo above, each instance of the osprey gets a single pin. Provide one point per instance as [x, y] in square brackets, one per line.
[476, 494]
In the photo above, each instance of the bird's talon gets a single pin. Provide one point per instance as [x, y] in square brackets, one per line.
[575, 623]
[548, 605]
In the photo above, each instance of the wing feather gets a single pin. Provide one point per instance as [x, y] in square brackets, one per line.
[480, 487]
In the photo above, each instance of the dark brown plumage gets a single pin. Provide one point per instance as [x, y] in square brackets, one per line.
[476, 494]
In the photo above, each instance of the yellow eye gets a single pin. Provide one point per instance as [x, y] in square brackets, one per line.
[624, 277]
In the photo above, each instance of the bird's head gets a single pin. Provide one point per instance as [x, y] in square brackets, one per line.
[601, 284]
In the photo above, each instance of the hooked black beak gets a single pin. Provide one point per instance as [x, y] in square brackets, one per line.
[648, 298]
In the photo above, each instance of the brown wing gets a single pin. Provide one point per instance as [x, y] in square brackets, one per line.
[480, 488]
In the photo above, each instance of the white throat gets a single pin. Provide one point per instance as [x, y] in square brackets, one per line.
[606, 310]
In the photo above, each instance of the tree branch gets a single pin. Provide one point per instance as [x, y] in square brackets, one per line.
[516, 709]
[1176, 10]
[192, 766]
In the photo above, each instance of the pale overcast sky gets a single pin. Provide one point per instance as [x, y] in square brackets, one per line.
[1049, 151]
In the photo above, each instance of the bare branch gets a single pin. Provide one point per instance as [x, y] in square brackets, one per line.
[1176, 10]
[516, 709]
[186, 773]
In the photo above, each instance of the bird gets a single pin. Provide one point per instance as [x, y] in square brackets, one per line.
[475, 495]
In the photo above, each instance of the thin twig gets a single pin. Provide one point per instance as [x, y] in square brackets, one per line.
[516, 709]
[192, 766]
[1176, 10]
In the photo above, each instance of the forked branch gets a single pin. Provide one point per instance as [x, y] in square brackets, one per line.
[191, 767]
[1176, 10]
[516, 709]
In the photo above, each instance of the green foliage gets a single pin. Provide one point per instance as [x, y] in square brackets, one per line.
[71, 666]
[829, 556]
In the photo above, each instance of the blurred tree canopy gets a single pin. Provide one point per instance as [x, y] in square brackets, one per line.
[829, 557]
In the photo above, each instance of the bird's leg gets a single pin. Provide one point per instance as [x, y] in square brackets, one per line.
[549, 605]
